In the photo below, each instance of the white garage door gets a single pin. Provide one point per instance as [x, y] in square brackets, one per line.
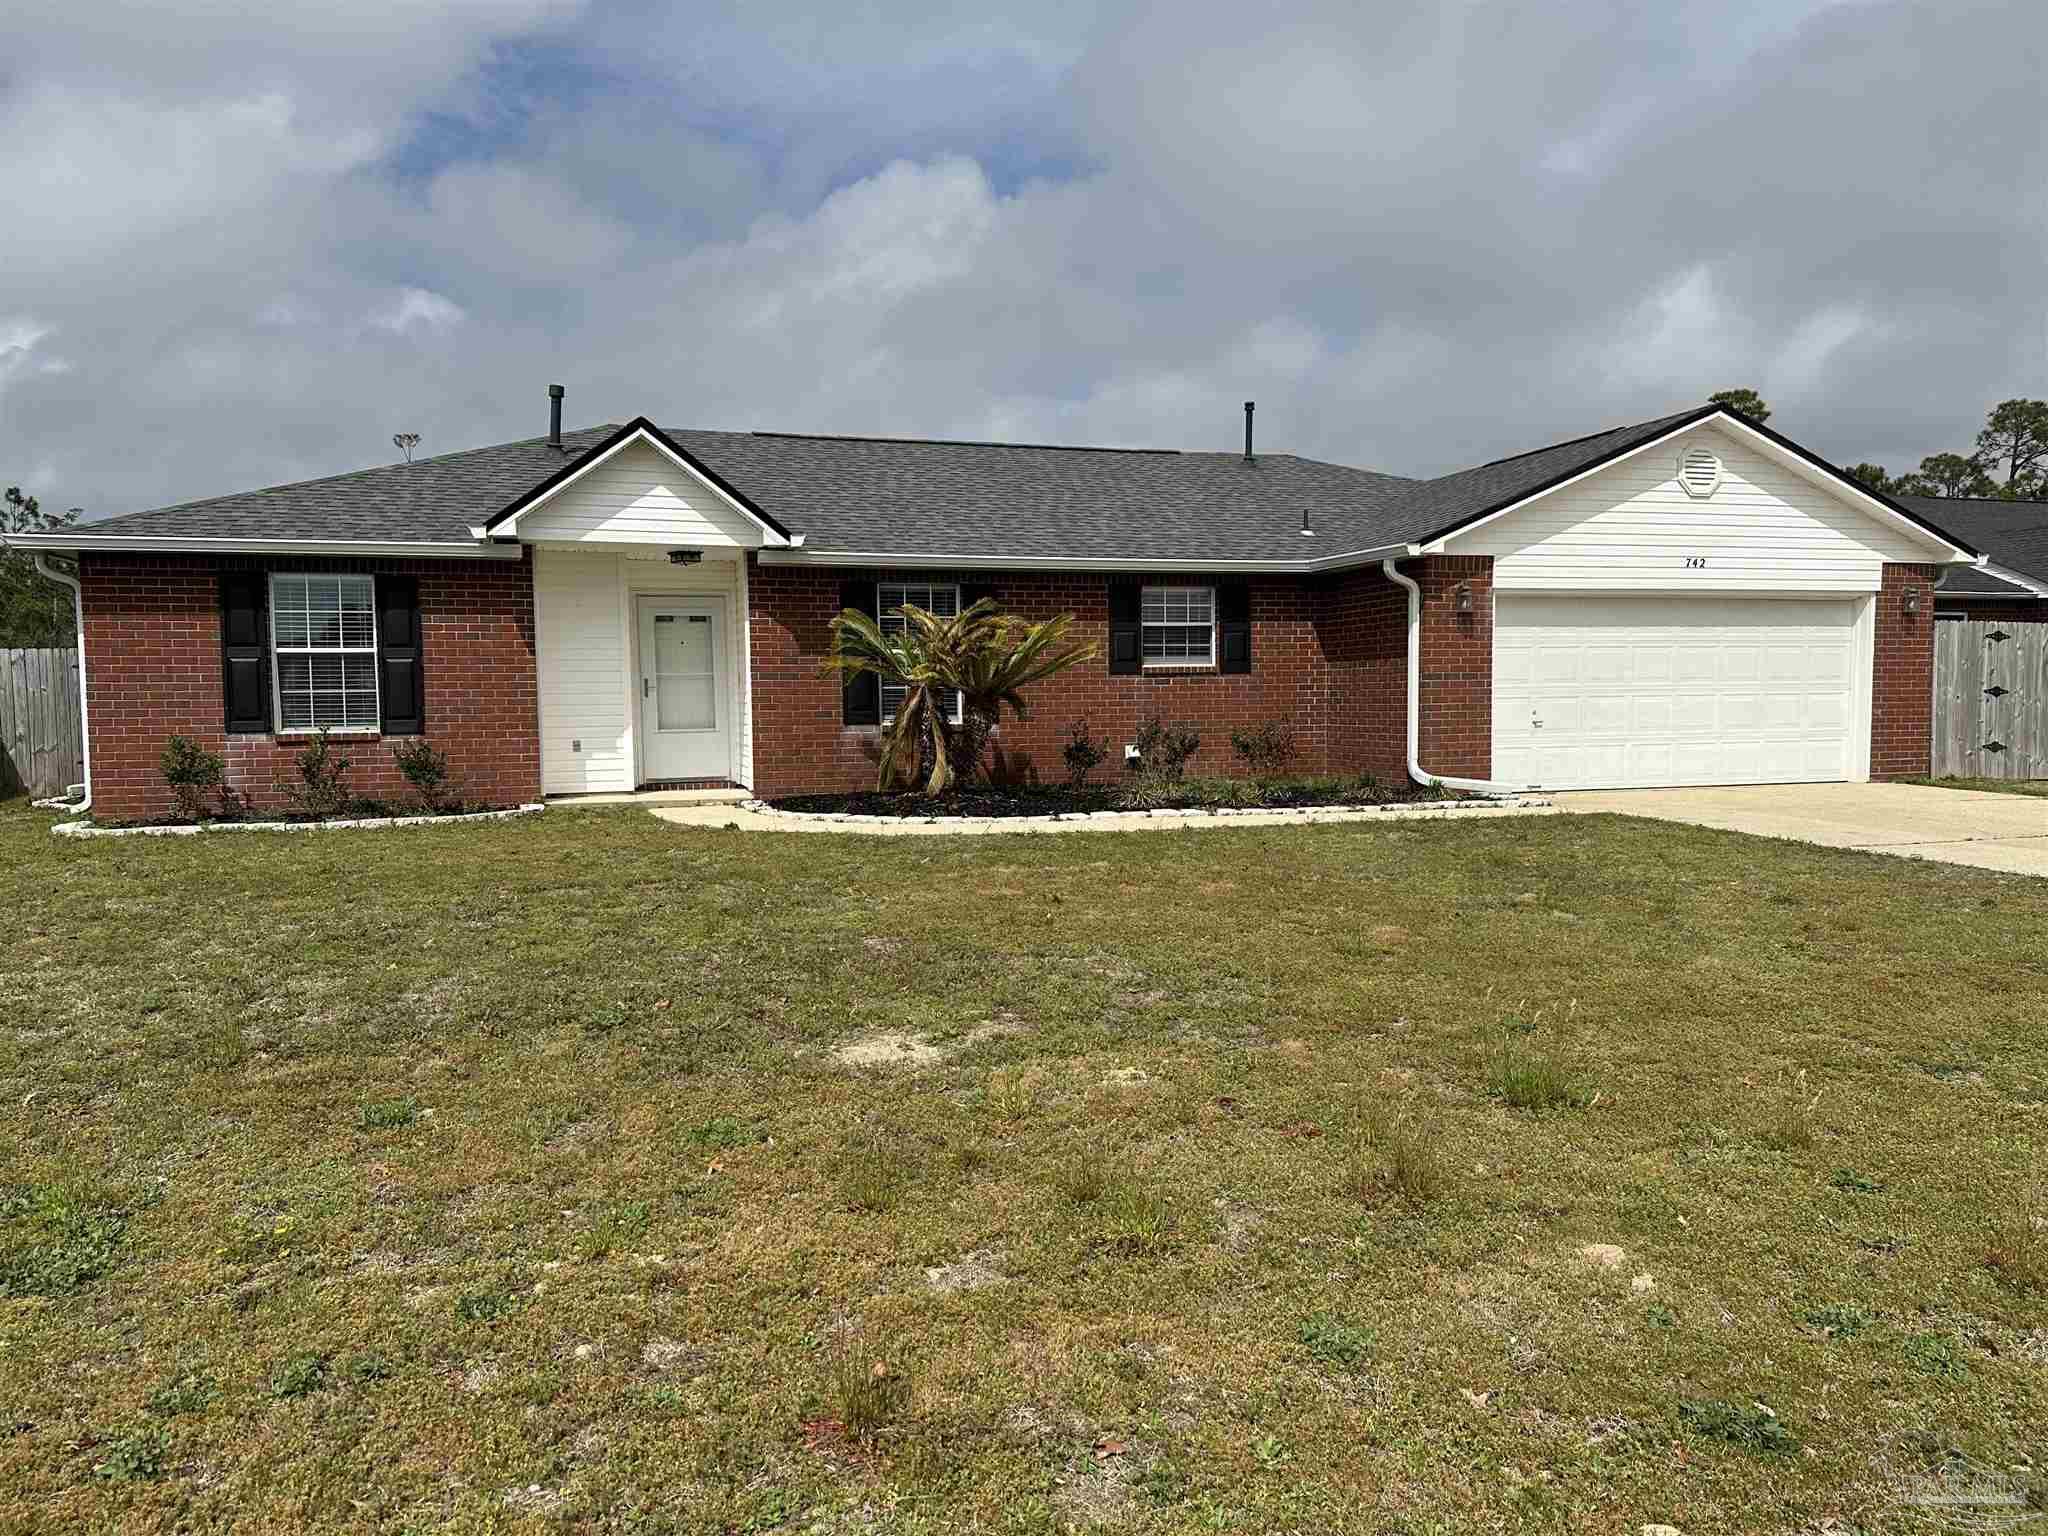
[1621, 692]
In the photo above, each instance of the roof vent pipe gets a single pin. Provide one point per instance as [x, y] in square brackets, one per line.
[555, 393]
[1249, 407]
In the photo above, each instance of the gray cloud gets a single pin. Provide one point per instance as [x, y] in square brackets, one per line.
[1419, 235]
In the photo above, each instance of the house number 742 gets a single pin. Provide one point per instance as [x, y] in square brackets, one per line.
[1695, 562]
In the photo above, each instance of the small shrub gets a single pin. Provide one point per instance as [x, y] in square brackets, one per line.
[193, 773]
[1083, 754]
[1661, 1316]
[1392, 1162]
[55, 1241]
[866, 1396]
[426, 771]
[299, 1376]
[188, 1394]
[388, 1114]
[614, 1226]
[1937, 1354]
[870, 1176]
[136, 1457]
[1755, 1429]
[1524, 1077]
[1840, 1319]
[1335, 1341]
[1788, 1121]
[321, 791]
[1265, 749]
[2018, 1250]
[1135, 1220]
[1164, 750]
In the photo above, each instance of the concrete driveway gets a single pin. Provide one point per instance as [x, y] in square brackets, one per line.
[1955, 826]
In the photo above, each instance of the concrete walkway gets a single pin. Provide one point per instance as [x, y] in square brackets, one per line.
[1132, 821]
[1953, 826]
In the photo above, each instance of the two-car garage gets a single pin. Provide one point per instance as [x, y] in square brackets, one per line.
[1604, 691]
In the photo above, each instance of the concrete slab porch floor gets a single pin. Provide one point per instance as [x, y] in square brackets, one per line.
[1953, 826]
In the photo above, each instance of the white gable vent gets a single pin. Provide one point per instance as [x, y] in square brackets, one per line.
[1699, 471]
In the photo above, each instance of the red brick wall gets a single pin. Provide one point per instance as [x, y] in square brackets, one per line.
[799, 743]
[1902, 676]
[1457, 666]
[153, 668]
[1362, 623]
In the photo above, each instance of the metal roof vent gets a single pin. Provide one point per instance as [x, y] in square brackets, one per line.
[1699, 471]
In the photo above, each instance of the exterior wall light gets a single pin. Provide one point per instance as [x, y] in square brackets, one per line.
[1461, 598]
[1912, 599]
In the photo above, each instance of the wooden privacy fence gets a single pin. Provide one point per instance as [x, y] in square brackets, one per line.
[42, 748]
[1990, 700]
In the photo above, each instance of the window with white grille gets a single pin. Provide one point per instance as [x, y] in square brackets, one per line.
[941, 602]
[323, 634]
[1179, 626]
[1699, 471]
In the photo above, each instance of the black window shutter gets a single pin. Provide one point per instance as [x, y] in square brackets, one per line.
[1126, 628]
[861, 699]
[1233, 627]
[402, 697]
[245, 679]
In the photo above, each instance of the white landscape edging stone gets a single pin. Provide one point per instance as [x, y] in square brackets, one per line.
[87, 829]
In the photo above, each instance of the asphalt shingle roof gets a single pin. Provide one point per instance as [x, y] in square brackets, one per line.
[854, 495]
[2013, 533]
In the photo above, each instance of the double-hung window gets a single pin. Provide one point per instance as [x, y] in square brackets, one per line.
[941, 602]
[323, 633]
[1179, 626]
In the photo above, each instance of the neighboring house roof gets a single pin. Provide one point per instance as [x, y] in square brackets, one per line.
[847, 497]
[2013, 534]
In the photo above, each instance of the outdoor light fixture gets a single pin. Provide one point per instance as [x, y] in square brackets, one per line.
[685, 557]
[1912, 599]
[1461, 599]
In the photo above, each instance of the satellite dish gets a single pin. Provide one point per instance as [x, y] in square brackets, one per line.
[405, 442]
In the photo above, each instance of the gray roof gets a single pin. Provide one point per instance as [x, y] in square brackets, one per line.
[2013, 533]
[933, 499]
[432, 500]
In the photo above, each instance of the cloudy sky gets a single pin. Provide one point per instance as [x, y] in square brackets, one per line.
[1420, 235]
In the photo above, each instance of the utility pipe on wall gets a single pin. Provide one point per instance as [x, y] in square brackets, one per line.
[1416, 771]
[65, 578]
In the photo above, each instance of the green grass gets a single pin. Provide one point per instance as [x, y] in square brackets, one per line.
[1991, 786]
[1187, 1196]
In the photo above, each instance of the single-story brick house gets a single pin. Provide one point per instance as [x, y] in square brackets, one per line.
[2011, 587]
[1690, 600]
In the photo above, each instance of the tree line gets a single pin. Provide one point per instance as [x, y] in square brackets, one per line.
[2008, 463]
[34, 611]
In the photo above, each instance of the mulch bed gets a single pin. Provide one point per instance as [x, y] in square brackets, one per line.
[991, 800]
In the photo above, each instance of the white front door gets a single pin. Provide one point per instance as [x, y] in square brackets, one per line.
[685, 729]
[1630, 692]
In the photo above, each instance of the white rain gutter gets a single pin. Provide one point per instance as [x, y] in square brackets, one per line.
[1416, 771]
[64, 578]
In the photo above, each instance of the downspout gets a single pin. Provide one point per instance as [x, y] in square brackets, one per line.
[64, 578]
[1416, 771]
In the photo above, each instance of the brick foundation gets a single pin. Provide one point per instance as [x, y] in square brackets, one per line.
[153, 668]
[1902, 675]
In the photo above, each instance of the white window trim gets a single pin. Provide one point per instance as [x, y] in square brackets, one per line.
[1173, 663]
[959, 713]
[278, 727]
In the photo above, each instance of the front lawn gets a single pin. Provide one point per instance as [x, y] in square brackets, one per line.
[1993, 786]
[1563, 1174]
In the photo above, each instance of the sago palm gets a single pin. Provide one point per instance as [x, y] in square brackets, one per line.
[985, 656]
